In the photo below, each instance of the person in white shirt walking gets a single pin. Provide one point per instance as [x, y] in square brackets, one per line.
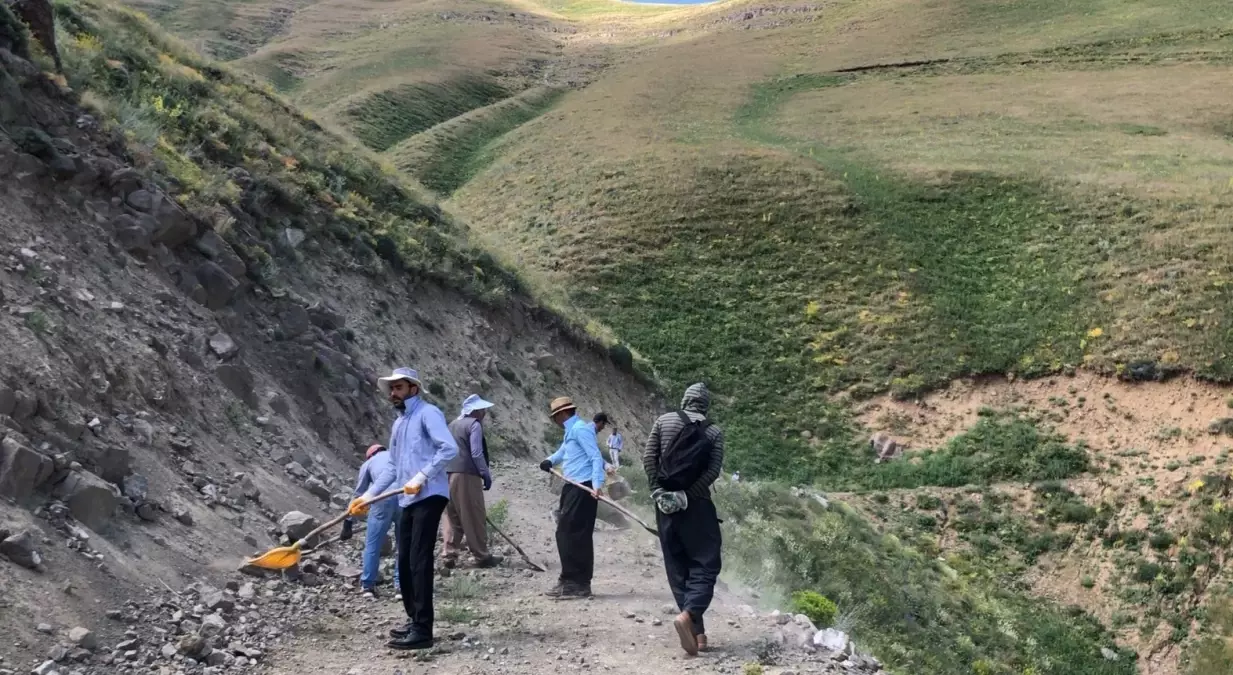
[615, 445]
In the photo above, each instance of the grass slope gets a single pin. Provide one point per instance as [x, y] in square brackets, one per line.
[765, 232]
[448, 155]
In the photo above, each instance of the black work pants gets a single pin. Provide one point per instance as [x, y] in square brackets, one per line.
[575, 535]
[417, 538]
[691, 543]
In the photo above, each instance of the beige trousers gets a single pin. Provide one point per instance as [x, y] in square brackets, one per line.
[465, 516]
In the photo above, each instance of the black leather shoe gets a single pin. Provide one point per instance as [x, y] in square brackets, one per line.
[575, 591]
[412, 640]
[401, 632]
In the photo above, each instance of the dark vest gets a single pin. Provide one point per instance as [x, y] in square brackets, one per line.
[464, 463]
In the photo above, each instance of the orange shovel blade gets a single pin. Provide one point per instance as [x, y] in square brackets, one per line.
[279, 558]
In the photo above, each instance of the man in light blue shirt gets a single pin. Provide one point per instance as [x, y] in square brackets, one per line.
[582, 463]
[420, 446]
[380, 517]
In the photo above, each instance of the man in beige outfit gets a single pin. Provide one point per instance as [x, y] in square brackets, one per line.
[469, 476]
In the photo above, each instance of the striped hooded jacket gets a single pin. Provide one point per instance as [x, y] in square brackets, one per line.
[695, 403]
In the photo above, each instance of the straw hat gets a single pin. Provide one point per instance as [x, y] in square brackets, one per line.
[561, 405]
[408, 374]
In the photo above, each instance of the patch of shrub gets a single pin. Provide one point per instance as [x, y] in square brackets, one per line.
[820, 610]
[999, 447]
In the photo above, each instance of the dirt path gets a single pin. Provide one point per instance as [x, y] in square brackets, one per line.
[507, 625]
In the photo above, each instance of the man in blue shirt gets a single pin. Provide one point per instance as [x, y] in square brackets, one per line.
[380, 517]
[420, 446]
[580, 462]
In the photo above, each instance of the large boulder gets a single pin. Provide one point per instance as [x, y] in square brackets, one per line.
[220, 287]
[112, 461]
[90, 499]
[19, 548]
[238, 379]
[22, 469]
[297, 524]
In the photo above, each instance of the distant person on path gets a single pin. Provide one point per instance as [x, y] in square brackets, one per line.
[420, 446]
[470, 475]
[581, 462]
[615, 445]
[380, 517]
[683, 457]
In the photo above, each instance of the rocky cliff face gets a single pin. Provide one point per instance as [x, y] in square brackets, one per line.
[163, 403]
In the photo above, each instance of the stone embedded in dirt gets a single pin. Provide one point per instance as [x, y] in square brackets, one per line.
[24, 406]
[832, 640]
[223, 346]
[248, 488]
[1108, 654]
[291, 237]
[136, 487]
[220, 287]
[83, 637]
[296, 469]
[545, 361]
[58, 653]
[238, 379]
[46, 668]
[278, 403]
[169, 651]
[113, 462]
[8, 400]
[183, 515]
[132, 236]
[297, 524]
[22, 469]
[246, 592]
[193, 646]
[317, 488]
[213, 624]
[214, 247]
[44, 628]
[147, 511]
[142, 200]
[217, 600]
[90, 499]
[325, 318]
[19, 548]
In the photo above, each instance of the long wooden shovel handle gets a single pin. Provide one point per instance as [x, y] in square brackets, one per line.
[609, 502]
[339, 519]
[511, 542]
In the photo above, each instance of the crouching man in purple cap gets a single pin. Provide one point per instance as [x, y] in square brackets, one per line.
[420, 447]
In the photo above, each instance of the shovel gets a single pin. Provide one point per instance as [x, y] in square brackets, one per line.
[283, 557]
[620, 509]
[525, 557]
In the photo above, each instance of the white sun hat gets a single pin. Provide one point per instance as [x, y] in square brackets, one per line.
[408, 374]
[473, 403]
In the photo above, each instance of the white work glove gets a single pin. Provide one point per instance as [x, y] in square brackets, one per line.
[416, 484]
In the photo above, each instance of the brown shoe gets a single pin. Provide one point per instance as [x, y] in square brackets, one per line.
[701, 640]
[684, 625]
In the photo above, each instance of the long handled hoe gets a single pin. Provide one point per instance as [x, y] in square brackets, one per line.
[518, 548]
[623, 511]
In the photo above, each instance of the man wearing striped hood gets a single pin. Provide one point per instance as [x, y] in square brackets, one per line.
[685, 514]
